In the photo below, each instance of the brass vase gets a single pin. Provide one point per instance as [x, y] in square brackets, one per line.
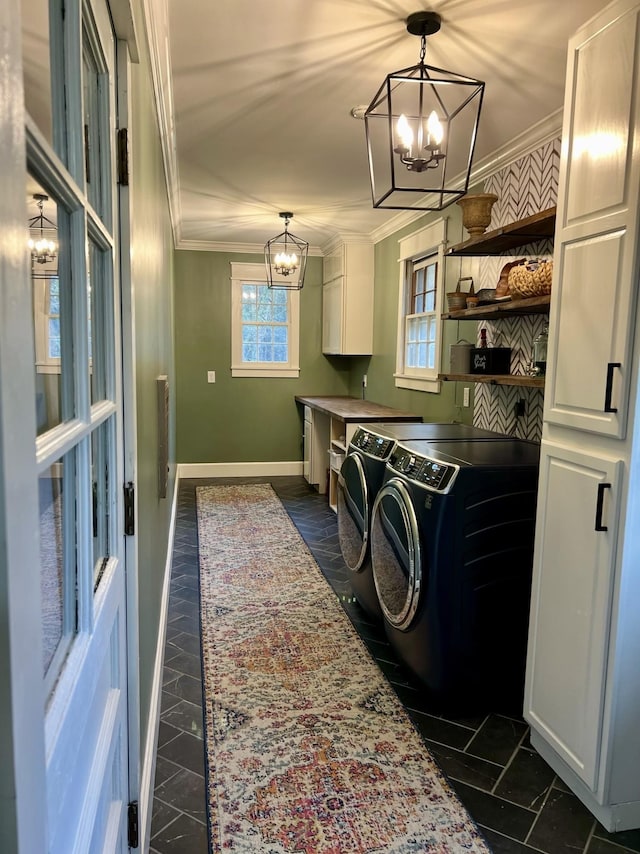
[476, 212]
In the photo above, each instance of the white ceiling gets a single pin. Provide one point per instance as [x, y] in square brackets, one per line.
[262, 94]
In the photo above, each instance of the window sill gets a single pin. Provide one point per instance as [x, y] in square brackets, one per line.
[417, 383]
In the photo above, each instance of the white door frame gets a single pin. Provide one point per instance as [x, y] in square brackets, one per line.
[22, 699]
[23, 798]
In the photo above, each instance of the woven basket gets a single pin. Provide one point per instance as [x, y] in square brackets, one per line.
[458, 299]
[530, 279]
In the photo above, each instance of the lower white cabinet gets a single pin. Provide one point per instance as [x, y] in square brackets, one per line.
[571, 603]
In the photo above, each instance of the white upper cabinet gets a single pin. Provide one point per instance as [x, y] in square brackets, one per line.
[347, 300]
[595, 278]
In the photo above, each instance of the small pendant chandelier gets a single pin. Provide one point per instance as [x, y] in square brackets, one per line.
[421, 129]
[44, 248]
[285, 257]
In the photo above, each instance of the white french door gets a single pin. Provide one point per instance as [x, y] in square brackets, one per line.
[69, 62]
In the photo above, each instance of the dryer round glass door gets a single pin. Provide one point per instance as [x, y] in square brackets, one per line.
[354, 512]
[395, 554]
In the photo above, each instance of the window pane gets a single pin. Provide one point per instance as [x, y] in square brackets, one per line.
[57, 555]
[265, 312]
[419, 304]
[52, 307]
[102, 461]
[280, 314]
[249, 333]
[431, 356]
[411, 355]
[264, 353]
[93, 132]
[101, 332]
[422, 355]
[248, 311]
[35, 64]
[430, 301]
[249, 294]
[265, 334]
[280, 335]
[280, 353]
[249, 353]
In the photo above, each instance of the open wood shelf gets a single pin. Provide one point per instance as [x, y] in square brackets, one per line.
[540, 226]
[532, 305]
[495, 379]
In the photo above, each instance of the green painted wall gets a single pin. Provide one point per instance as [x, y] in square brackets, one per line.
[240, 419]
[152, 282]
[380, 367]
[248, 420]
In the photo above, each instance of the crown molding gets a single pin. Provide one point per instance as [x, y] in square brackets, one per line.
[529, 140]
[348, 237]
[248, 248]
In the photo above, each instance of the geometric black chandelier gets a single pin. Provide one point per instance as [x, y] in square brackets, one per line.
[285, 258]
[42, 244]
[421, 130]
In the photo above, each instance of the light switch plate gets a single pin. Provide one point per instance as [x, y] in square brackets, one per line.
[211, 376]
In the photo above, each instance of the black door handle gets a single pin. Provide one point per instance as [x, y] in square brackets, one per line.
[599, 502]
[609, 388]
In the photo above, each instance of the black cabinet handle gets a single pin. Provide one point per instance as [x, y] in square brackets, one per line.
[609, 388]
[601, 489]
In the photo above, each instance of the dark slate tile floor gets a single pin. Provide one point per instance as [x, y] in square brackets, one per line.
[519, 803]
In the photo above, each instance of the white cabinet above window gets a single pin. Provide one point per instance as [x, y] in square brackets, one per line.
[347, 300]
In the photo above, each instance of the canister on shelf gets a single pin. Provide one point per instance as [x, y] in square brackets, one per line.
[540, 351]
[460, 356]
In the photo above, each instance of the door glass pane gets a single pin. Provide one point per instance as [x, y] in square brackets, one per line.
[95, 111]
[102, 449]
[52, 307]
[35, 64]
[100, 308]
[57, 556]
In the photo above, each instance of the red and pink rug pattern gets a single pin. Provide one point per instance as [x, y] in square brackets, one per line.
[308, 748]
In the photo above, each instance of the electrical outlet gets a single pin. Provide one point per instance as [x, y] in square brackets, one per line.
[466, 396]
[364, 381]
[211, 376]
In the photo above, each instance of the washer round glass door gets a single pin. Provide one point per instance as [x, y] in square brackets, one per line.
[395, 554]
[354, 512]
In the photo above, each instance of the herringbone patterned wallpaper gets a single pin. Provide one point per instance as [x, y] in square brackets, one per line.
[524, 188]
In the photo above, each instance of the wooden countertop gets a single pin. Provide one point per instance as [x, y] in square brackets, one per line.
[350, 409]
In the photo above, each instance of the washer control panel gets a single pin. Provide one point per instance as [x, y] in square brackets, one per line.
[424, 471]
[371, 444]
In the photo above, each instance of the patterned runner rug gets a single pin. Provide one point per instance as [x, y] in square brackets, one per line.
[308, 748]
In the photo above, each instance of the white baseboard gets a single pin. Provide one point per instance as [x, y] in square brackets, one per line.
[150, 750]
[239, 469]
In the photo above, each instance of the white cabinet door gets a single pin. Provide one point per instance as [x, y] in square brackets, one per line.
[571, 603]
[347, 300]
[332, 318]
[307, 440]
[595, 273]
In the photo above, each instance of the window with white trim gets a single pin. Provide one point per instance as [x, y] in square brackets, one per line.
[420, 308]
[46, 295]
[264, 325]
